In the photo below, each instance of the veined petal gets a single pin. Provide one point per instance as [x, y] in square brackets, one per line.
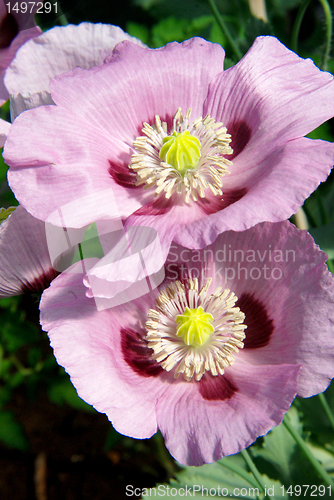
[273, 91]
[199, 431]
[116, 94]
[268, 197]
[65, 173]
[97, 367]
[38, 61]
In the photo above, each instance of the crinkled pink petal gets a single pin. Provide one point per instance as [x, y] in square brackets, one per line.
[88, 344]
[24, 258]
[59, 50]
[72, 159]
[198, 431]
[275, 93]
[268, 196]
[140, 83]
[4, 129]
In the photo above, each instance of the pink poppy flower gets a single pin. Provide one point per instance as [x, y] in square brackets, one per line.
[16, 28]
[56, 51]
[113, 127]
[215, 356]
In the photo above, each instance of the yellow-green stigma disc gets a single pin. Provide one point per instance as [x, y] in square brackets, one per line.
[194, 326]
[181, 150]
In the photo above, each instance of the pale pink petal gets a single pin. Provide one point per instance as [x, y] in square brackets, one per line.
[275, 93]
[198, 431]
[88, 344]
[139, 83]
[72, 158]
[128, 261]
[59, 50]
[24, 263]
[267, 194]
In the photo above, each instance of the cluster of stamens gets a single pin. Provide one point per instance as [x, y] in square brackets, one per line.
[194, 164]
[192, 331]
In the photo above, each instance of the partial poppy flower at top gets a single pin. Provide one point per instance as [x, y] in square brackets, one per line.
[186, 147]
[56, 51]
[215, 355]
[25, 263]
[17, 26]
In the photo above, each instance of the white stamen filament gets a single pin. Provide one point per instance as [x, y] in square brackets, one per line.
[153, 172]
[216, 353]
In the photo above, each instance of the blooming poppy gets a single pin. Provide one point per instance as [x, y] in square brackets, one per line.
[186, 147]
[215, 355]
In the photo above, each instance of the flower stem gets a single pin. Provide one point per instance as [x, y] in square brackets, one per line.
[252, 467]
[62, 18]
[305, 449]
[329, 27]
[80, 251]
[327, 409]
[223, 27]
[298, 22]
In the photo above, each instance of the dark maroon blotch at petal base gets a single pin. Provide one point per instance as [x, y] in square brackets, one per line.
[259, 326]
[213, 204]
[217, 388]
[41, 283]
[240, 135]
[8, 30]
[158, 206]
[121, 174]
[137, 354]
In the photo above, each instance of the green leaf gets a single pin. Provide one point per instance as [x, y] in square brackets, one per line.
[11, 432]
[280, 452]
[169, 30]
[216, 480]
[16, 331]
[62, 392]
[319, 207]
[324, 237]
[113, 437]
[138, 30]
[279, 447]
